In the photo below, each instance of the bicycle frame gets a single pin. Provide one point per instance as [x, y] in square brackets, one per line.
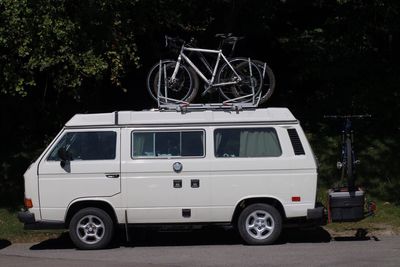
[347, 134]
[210, 82]
[348, 156]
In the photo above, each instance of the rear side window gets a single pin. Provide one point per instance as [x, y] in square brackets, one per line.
[246, 142]
[87, 146]
[168, 144]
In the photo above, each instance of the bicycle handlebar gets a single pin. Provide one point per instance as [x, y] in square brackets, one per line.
[176, 42]
[223, 35]
[173, 41]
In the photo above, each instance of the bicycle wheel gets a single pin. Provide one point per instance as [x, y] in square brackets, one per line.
[245, 86]
[268, 84]
[184, 87]
[151, 77]
[349, 164]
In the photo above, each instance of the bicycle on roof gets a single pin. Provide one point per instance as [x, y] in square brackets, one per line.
[236, 79]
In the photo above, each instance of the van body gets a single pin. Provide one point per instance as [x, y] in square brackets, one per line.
[253, 169]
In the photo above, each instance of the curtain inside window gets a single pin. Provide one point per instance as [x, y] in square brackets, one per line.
[217, 141]
[138, 144]
[259, 143]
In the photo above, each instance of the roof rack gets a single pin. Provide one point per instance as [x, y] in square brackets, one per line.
[185, 107]
[166, 103]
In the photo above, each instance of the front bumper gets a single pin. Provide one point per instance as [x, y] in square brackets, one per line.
[30, 223]
[26, 217]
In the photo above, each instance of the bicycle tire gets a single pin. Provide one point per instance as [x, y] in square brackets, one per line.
[349, 164]
[150, 77]
[269, 81]
[242, 88]
[184, 88]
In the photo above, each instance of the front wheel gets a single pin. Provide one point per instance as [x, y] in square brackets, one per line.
[91, 228]
[260, 224]
[183, 88]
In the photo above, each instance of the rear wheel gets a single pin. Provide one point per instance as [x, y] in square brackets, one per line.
[268, 81]
[251, 80]
[91, 228]
[265, 80]
[260, 224]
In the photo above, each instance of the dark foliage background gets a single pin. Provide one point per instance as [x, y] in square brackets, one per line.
[60, 57]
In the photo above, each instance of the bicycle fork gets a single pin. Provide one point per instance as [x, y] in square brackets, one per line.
[178, 64]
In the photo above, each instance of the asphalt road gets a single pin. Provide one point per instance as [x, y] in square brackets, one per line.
[212, 247]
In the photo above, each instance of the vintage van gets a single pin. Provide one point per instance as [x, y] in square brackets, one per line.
[253, 169]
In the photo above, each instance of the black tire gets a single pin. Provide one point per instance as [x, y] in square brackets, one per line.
[151, 77]
[184, 88]
[244, 87]
[268, 81]
[91, 228]
[266, 221]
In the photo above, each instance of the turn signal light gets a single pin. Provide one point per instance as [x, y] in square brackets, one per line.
[28, 203]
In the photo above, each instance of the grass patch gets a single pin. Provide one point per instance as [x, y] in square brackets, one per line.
[386, 221]
[12, 230]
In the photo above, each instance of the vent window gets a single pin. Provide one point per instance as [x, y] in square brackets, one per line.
[296, 143]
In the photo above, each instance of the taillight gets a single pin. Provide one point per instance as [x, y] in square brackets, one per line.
[296, 198]
[28, 203]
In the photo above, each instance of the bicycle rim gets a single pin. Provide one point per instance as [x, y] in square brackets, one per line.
[183, 87]
[151, 76]
[246, 85]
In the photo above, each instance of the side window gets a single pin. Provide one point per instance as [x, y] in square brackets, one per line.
[87, 146]
[246, 142]
[168, 144]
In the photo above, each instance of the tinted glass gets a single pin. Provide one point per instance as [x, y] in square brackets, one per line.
[143, 145]
[168, 144]
[192, 144]
[246, 142]
[87, 145]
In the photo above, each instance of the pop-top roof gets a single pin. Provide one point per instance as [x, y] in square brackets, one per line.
[156, 117]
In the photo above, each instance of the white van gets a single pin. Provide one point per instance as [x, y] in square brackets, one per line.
[253, 169]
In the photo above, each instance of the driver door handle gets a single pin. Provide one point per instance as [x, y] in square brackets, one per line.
[112, 175]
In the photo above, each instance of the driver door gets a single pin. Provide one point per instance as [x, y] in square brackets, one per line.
[93, 171]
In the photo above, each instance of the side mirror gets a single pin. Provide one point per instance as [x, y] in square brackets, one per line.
[64, 155]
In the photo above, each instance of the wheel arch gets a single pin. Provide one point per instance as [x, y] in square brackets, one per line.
[92, 203]
[242, 204]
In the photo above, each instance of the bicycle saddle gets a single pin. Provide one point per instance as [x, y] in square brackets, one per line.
[228, 38]
[223, 35]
